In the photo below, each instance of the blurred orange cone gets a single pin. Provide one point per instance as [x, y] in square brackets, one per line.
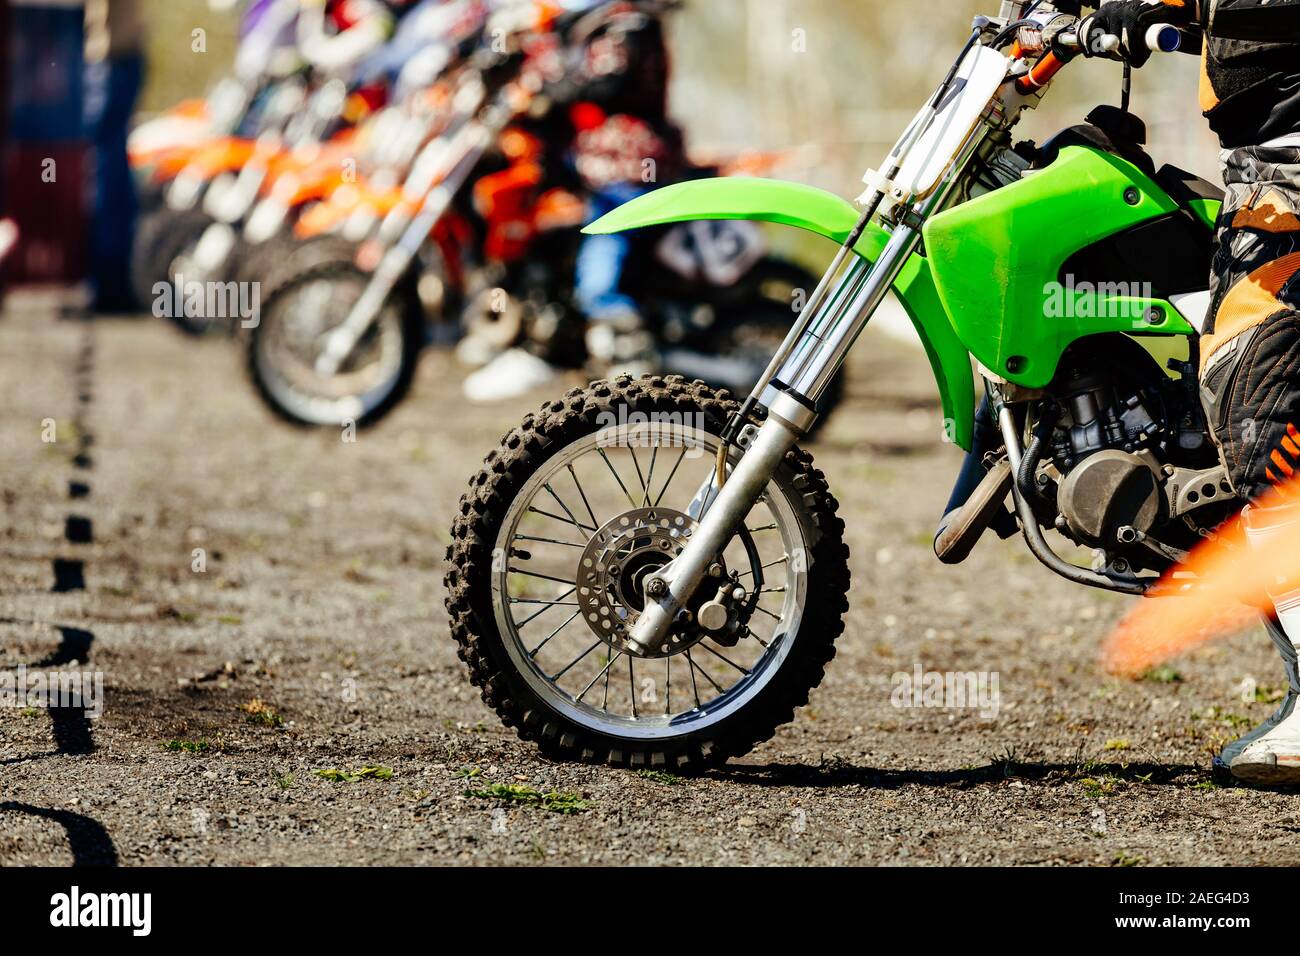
[1220, 590]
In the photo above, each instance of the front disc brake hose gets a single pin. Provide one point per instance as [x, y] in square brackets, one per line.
[720, 464]
[756, 562]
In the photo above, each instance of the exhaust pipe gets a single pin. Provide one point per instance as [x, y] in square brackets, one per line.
[977, 498]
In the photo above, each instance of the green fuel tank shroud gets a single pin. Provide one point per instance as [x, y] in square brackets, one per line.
[997, 263]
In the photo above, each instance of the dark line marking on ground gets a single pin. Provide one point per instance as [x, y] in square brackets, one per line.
[69, 575]
[70, 725]
[73, 649]
[87, 839]
[71, 729]
[78, 529]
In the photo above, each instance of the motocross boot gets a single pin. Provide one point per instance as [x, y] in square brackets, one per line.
[1270, 754]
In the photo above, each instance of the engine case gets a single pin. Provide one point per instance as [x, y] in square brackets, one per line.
[1107, 491]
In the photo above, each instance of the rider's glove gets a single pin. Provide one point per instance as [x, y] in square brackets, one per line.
[1130, 20]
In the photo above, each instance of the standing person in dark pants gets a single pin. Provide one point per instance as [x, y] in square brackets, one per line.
[114, 74]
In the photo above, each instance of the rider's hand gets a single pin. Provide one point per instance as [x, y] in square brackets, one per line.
[1130, 20]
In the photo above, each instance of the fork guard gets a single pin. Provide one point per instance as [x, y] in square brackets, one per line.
[817, 211]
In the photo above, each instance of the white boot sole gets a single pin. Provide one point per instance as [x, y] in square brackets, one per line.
[1267, 770]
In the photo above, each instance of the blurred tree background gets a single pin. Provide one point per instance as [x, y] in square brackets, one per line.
[834, 80]
[176, 71]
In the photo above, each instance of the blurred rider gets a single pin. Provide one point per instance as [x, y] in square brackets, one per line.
[433, 35]
[335, 39]
[613, 91]
[1250, 350]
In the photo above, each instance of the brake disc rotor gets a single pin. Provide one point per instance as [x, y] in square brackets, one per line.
[613, 570]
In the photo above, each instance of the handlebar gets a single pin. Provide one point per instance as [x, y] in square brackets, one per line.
[1160, 38]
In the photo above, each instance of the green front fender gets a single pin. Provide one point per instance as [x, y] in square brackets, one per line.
[823, 213]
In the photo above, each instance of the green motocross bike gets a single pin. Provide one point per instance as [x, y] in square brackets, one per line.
[647, 573]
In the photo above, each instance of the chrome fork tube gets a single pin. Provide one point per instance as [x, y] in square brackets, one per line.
[813, 353]
[835, 306]
[827, 340]
[786, 423]
[788, 420]
[831, 280]
[827, 344]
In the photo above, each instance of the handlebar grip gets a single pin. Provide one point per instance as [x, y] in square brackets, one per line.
[1164, 38]
[1109, 44]
[1160, 38]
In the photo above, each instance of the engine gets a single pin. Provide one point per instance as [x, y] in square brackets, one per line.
[1101, 447]
[1120, 435]
[1097, 419]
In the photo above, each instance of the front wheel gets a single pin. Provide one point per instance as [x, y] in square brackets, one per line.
[549, 557]
[298, 312]
[159, 256]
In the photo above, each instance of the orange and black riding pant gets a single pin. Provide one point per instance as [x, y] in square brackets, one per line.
[1250, 352]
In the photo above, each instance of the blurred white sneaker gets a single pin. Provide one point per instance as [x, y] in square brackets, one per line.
[621, 344]
[1273, 757]
[475, 351]
[509, 375]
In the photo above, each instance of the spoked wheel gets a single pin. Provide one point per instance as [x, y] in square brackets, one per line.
[550, 558]
[160, 245]
[205, 256]
[297, 315]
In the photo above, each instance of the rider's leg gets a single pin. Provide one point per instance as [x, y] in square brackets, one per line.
[118, 80]
[1271, 753]
[616, 338]
[599, 272]
[616, 335]
[1250, 370]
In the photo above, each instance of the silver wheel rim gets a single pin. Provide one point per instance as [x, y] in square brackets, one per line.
[289, 341]
[562, 657]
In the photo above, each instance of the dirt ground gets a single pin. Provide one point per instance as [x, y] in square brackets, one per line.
[202, 556]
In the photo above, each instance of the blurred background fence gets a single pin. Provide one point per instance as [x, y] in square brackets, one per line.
[836, 80]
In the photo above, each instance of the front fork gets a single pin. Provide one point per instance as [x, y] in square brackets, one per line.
[807, 362]
[340, 343]
[814, 351]
[439, 183]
